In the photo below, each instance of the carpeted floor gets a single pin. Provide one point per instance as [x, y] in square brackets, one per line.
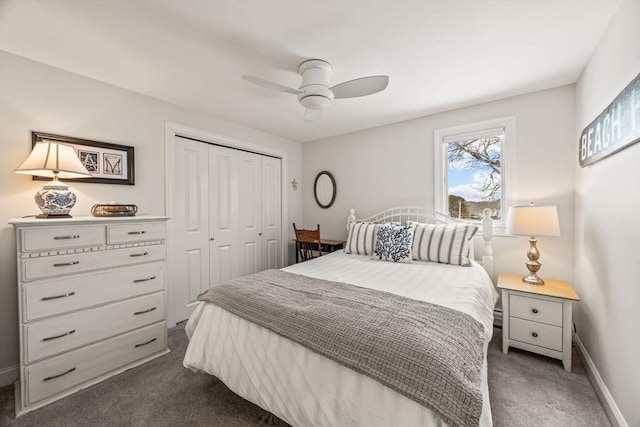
[525, 390]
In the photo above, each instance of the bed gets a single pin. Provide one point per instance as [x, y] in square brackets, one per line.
[305, 388]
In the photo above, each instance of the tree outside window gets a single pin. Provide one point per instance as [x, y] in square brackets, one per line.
[474, 169]
[474, 176]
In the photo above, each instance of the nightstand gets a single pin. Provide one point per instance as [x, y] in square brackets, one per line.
[537, 318]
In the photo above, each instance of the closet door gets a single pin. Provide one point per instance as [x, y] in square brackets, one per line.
[250, 208]
[226, 219]
[224, 215]
[189, 227]
[271, 213]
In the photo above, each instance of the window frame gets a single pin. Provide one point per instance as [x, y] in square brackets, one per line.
[507, 156]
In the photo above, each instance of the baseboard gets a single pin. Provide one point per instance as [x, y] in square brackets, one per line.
[609, 405]
[9, 375]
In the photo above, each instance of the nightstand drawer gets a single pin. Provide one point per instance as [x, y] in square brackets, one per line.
[536, 309]
[535, 333]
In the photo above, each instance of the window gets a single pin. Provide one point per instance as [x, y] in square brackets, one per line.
[472, 166]
[474, 174]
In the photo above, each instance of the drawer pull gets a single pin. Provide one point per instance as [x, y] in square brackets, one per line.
[137, 232]
[59, 375]
[144, 280]
[73, 331]
[70, 294]
[534, 334]
[534, 310]
[140, 254]
[145, 343]
[72, 236]
[66, 264]
[143, 312]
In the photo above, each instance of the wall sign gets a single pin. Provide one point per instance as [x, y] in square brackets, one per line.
[617, 127]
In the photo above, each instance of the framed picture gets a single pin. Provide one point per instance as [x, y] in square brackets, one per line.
[108, 163]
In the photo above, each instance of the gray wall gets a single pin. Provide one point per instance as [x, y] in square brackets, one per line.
[46, 99]
[599, 206]
[608, 223]
[392, 166]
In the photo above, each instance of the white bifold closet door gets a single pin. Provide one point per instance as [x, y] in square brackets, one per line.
[227, 218]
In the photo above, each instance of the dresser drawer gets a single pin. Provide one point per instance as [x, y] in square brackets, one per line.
[45, 239]
[63, 295]
[536, 309]
[60, 373]
[535, 333]
[131, 233]
[49, 337]
[39, 268]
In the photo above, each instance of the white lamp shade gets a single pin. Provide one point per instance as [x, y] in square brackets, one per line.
[48, 157]
[533, 221]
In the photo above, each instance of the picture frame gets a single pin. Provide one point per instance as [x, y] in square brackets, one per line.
[108, 163]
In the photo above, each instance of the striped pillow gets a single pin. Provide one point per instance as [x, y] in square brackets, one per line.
[444, 243]
[361, 238]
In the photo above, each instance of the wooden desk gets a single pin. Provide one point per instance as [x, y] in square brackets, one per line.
[328, 246]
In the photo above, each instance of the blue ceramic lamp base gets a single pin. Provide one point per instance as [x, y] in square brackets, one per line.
[55, 200]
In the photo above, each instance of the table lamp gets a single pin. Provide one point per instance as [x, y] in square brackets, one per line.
[57, 160]
[533, 221]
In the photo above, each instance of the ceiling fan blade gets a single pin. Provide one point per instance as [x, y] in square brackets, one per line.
[271, 85]
[312, 115]
[360, 87]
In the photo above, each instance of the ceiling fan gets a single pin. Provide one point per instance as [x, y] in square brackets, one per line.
[314, 92]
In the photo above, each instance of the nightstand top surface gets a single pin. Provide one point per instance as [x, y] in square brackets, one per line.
[551, 287]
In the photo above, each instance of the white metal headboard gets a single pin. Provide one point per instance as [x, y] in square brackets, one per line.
[429, 216]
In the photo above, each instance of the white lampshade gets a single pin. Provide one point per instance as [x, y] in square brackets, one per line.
[52, 159]
[48, 157]
[533, 221]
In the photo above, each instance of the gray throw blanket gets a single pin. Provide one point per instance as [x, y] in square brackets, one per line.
[429, 353]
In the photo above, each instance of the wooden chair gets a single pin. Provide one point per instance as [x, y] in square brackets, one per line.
[307, 241]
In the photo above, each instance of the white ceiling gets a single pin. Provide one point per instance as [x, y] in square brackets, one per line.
[440, 55]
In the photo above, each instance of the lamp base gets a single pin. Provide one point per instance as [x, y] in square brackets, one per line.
[533, 279]
[55, 200]
[533, 265]
[53, 216]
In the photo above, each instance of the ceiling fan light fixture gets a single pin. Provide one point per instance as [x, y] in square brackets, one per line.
[315, 102]
[315, 94]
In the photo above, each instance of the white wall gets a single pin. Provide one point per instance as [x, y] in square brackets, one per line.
[393, 166]
[607, 248]
[37, 97]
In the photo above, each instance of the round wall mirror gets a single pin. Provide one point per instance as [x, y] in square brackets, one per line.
[324, 189]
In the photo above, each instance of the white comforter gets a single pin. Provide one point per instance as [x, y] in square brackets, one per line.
[306, 389]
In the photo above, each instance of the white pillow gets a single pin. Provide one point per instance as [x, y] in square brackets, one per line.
[394, 242]
[361, 238]
[443, 243]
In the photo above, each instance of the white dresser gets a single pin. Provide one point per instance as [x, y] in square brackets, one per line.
[91, 302]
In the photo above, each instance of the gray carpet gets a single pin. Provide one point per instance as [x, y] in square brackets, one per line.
[525, 390]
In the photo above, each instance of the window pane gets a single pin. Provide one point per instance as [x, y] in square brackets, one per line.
[474, 177]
